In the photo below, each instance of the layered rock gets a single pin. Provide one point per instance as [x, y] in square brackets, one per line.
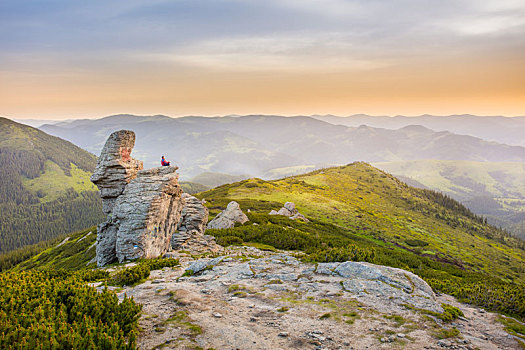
[115, 167]
[192, 224]
[147, 214]
[290, 211]
[228, 217]
[143, 207]
[194, 215]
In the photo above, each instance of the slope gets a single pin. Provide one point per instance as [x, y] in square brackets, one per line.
[357, 213]
[494, 190]
[372, 204]
[45, 188]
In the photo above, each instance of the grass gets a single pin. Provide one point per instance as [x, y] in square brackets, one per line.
[235, 287]
[445, 333]
[512, 326]
[53, 182]
[374, 205]
[181, 319]
[398, 225]
[449, 314]
[72, 255]
[399, 320]
[260, 246]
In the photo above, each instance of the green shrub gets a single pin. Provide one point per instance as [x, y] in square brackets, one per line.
[159, 263]
[348, 253]
[451, 313]
[131, 276]
[94, 275]
[226, 241]
[323, 242]
[416, 243]
[57, 310]
[447, 333]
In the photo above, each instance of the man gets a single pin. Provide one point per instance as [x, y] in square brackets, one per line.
[164, 162]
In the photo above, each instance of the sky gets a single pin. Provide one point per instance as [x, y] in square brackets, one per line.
[62, 59]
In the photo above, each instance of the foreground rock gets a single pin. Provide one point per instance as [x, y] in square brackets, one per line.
[290, 211]
[143, 207]
[249, 299]
[147, 214]
[227, 218]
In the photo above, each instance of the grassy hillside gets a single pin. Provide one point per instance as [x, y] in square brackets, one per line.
[372, 204]
[356, 212]
[45, 189]
[494, 190]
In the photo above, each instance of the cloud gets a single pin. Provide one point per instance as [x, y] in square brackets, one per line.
[292, 53]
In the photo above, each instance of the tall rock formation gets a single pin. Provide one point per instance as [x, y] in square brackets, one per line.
[143, 207]
[147, 214]
[115, 167]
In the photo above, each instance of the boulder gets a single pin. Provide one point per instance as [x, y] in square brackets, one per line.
[291, 207]
[228, 217]
[299, 216]
[290, 211]
[284, 212]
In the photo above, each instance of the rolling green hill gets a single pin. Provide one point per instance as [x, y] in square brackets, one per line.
[495, 190]
[45, 189]
[356, 212]
[372, 204]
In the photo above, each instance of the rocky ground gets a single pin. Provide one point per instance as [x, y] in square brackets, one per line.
[250, 299]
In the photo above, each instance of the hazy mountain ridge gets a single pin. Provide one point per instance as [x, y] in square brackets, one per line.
[508, 130]
[255, 144]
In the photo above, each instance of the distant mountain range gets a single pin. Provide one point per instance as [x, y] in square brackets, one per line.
[253, 145]
[492, 128]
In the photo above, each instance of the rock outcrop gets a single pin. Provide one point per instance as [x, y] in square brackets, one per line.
[115, 167]
[147, 214]
[143, 207]
[228, 217]
[190, 233]
[290, 211]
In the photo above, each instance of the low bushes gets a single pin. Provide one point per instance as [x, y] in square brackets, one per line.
[133, 275]
[57, 310]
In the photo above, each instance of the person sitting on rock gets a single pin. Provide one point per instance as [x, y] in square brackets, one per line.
[164, 162]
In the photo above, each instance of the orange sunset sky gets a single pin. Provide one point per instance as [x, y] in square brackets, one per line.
[76, 59]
